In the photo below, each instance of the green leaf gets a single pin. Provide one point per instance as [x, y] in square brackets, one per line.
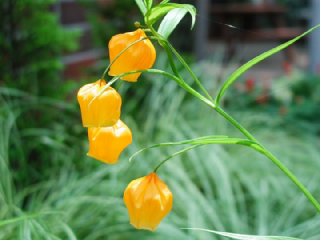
[148, 4]
[245, 237]
[170, 21]
[256, 60]
[30, 216]
[205, 141]
[160, 10]
[164, 1]
[142, 6]
[193, 11]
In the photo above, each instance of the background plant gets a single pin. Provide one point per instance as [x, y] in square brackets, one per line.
[82, 199]
[31, 45]
[294, 96]
[215, 187]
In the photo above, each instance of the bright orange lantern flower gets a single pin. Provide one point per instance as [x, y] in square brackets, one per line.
[104, 111]
[106, 144]
[148, 200]
[139, 56]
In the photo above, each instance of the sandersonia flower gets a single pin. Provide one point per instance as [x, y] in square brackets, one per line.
[139, 56]
[104, 111]
[106, 143]
[148, 200]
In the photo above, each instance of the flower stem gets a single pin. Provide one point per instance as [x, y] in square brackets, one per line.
[119, 85]
[235, 123]
[271, 157]
[175, 154]
[210, 102]
[190, 71]
[167, 46]
[293, 179]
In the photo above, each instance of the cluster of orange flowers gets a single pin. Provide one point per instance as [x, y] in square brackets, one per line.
[148, 199]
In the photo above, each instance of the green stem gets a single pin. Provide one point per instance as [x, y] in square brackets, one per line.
[293, 179]
[119, 85]
[167, 46]
[190, 71]
[171, 62]
[175, 154]
[182, 83]
[271, 157]
[164, 44]
[235, 123]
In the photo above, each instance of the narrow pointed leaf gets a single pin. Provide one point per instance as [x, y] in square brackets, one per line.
[256, 60]
[205, 141]
[148, 4]
[245, 237]
[142, 6]
[30, 216]
[160, 10]
[193, 11]
[170, 21]
[164, 1]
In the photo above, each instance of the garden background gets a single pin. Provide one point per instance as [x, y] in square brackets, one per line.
[50, 189]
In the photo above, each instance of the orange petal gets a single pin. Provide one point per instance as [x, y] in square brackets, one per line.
[139, 56]
[104, 111]
[148, 200]
[106, 144]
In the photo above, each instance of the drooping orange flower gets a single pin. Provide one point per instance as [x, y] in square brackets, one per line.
[148, 200]
[104, 111]
[139, 56]
[106, 143]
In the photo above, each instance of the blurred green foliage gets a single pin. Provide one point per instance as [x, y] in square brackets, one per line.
[44, 167]
[295, 15]
[32, 43]
[226, 188]
[110, 17]
[295, 96]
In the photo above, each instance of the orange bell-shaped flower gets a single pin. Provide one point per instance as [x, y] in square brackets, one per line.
[106, 144]
[104, 111]
[139, 56]
[148, 200]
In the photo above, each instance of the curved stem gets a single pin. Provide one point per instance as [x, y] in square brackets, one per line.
[175, 154]
[271, 157]
[179, 81]
[164, 44]
[171, 62]
[167, 46]
[190, 71]
[119, 85]
[235, 123]
[293, 179]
